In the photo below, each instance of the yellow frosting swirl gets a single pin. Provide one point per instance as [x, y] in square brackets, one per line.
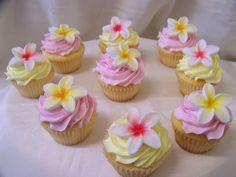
[23, 77]
[146, 156]
[211, 74]
[132, 40]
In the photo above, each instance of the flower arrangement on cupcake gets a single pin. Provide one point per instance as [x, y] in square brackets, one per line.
[28, 71]
[174, 38]
[137, 144]
[120, 72]
[64, 48]
[117, 32]
[202, 119]
[68, 113]
[200, 65]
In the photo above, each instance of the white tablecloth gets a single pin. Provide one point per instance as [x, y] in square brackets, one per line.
[27, 150]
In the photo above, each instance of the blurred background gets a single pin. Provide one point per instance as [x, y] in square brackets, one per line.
[23, 21]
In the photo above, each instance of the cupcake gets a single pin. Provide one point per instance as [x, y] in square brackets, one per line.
[64, 48]
[120, 72]
[118, 32]
[199, 65]
[174, 38]
[28, 71]
[68, 113]
[201, 120]
[136, 146]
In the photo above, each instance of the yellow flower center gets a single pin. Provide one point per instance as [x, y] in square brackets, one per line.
[181, 27]
[62, 94]
[211, 103]
[62, 31]
[125, 55]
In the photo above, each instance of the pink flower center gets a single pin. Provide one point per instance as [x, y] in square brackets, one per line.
[200, 54]
[137, 129]
[26, 56]
[117, 27]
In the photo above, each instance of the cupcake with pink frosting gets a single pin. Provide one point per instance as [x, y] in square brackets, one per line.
[68, 113]
[64, 48]
[174, 38]
[120, 72]
[201, 120]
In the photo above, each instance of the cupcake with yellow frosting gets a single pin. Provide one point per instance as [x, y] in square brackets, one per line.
[68, 113]
[174, 38]
[200, 65]
[64, 48]
[118, 32]
[120, 72]
[202, 120]
[28, 71]
[135, 145]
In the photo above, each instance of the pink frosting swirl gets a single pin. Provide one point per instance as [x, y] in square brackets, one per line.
[118, 75]
[59, 119]
[61, 47]
[188, 114]
[173, 43]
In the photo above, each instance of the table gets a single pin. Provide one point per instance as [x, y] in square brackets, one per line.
[27, 150]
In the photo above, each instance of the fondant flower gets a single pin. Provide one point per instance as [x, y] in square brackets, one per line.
[181, 28]
[138, 130]
[63, 32]
[27, 56]
[62, 94]
[211, 104]
[123, 55]
[201, 53]
[117, 27]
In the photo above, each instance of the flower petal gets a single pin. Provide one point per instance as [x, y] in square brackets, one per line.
[52, 29]
[15, 61]
[188, 52]
[51, 103]
[152, 139]
[222, 99]
[17, 52]
[208, 91]
[134, 53]
[183, 19]
[29, 65]
[68, 104]
[66, 82]
[205, 115]
[124, 33]
[222, 114]
[121, 130]
[134, 143]
[38, 57]
[193, 61]
[70, 38]
[78, 92]
[212, 49]
[126, 23]
[207, 61]
[197, 99]
[106, 28]
[151, 119]
[50, 89]
[201, 45]
[115, 20]
[30, 48]
[171, 23]
[113, 35]
[120, 62]
[133, 64]
[112, 51]
[133, 115]
[183, 37]
[191, 28]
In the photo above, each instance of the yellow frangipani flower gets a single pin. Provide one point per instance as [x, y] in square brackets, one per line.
[181, 28]
[63, 32]
[123, 55]
[211, 105]
[62, 94]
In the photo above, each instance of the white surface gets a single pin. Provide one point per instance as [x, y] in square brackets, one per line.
[27, 150]
[23, 21]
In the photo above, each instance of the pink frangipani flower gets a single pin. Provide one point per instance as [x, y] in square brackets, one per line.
[138, 130]
[27, 56]
[117, 27]
[201, 53]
